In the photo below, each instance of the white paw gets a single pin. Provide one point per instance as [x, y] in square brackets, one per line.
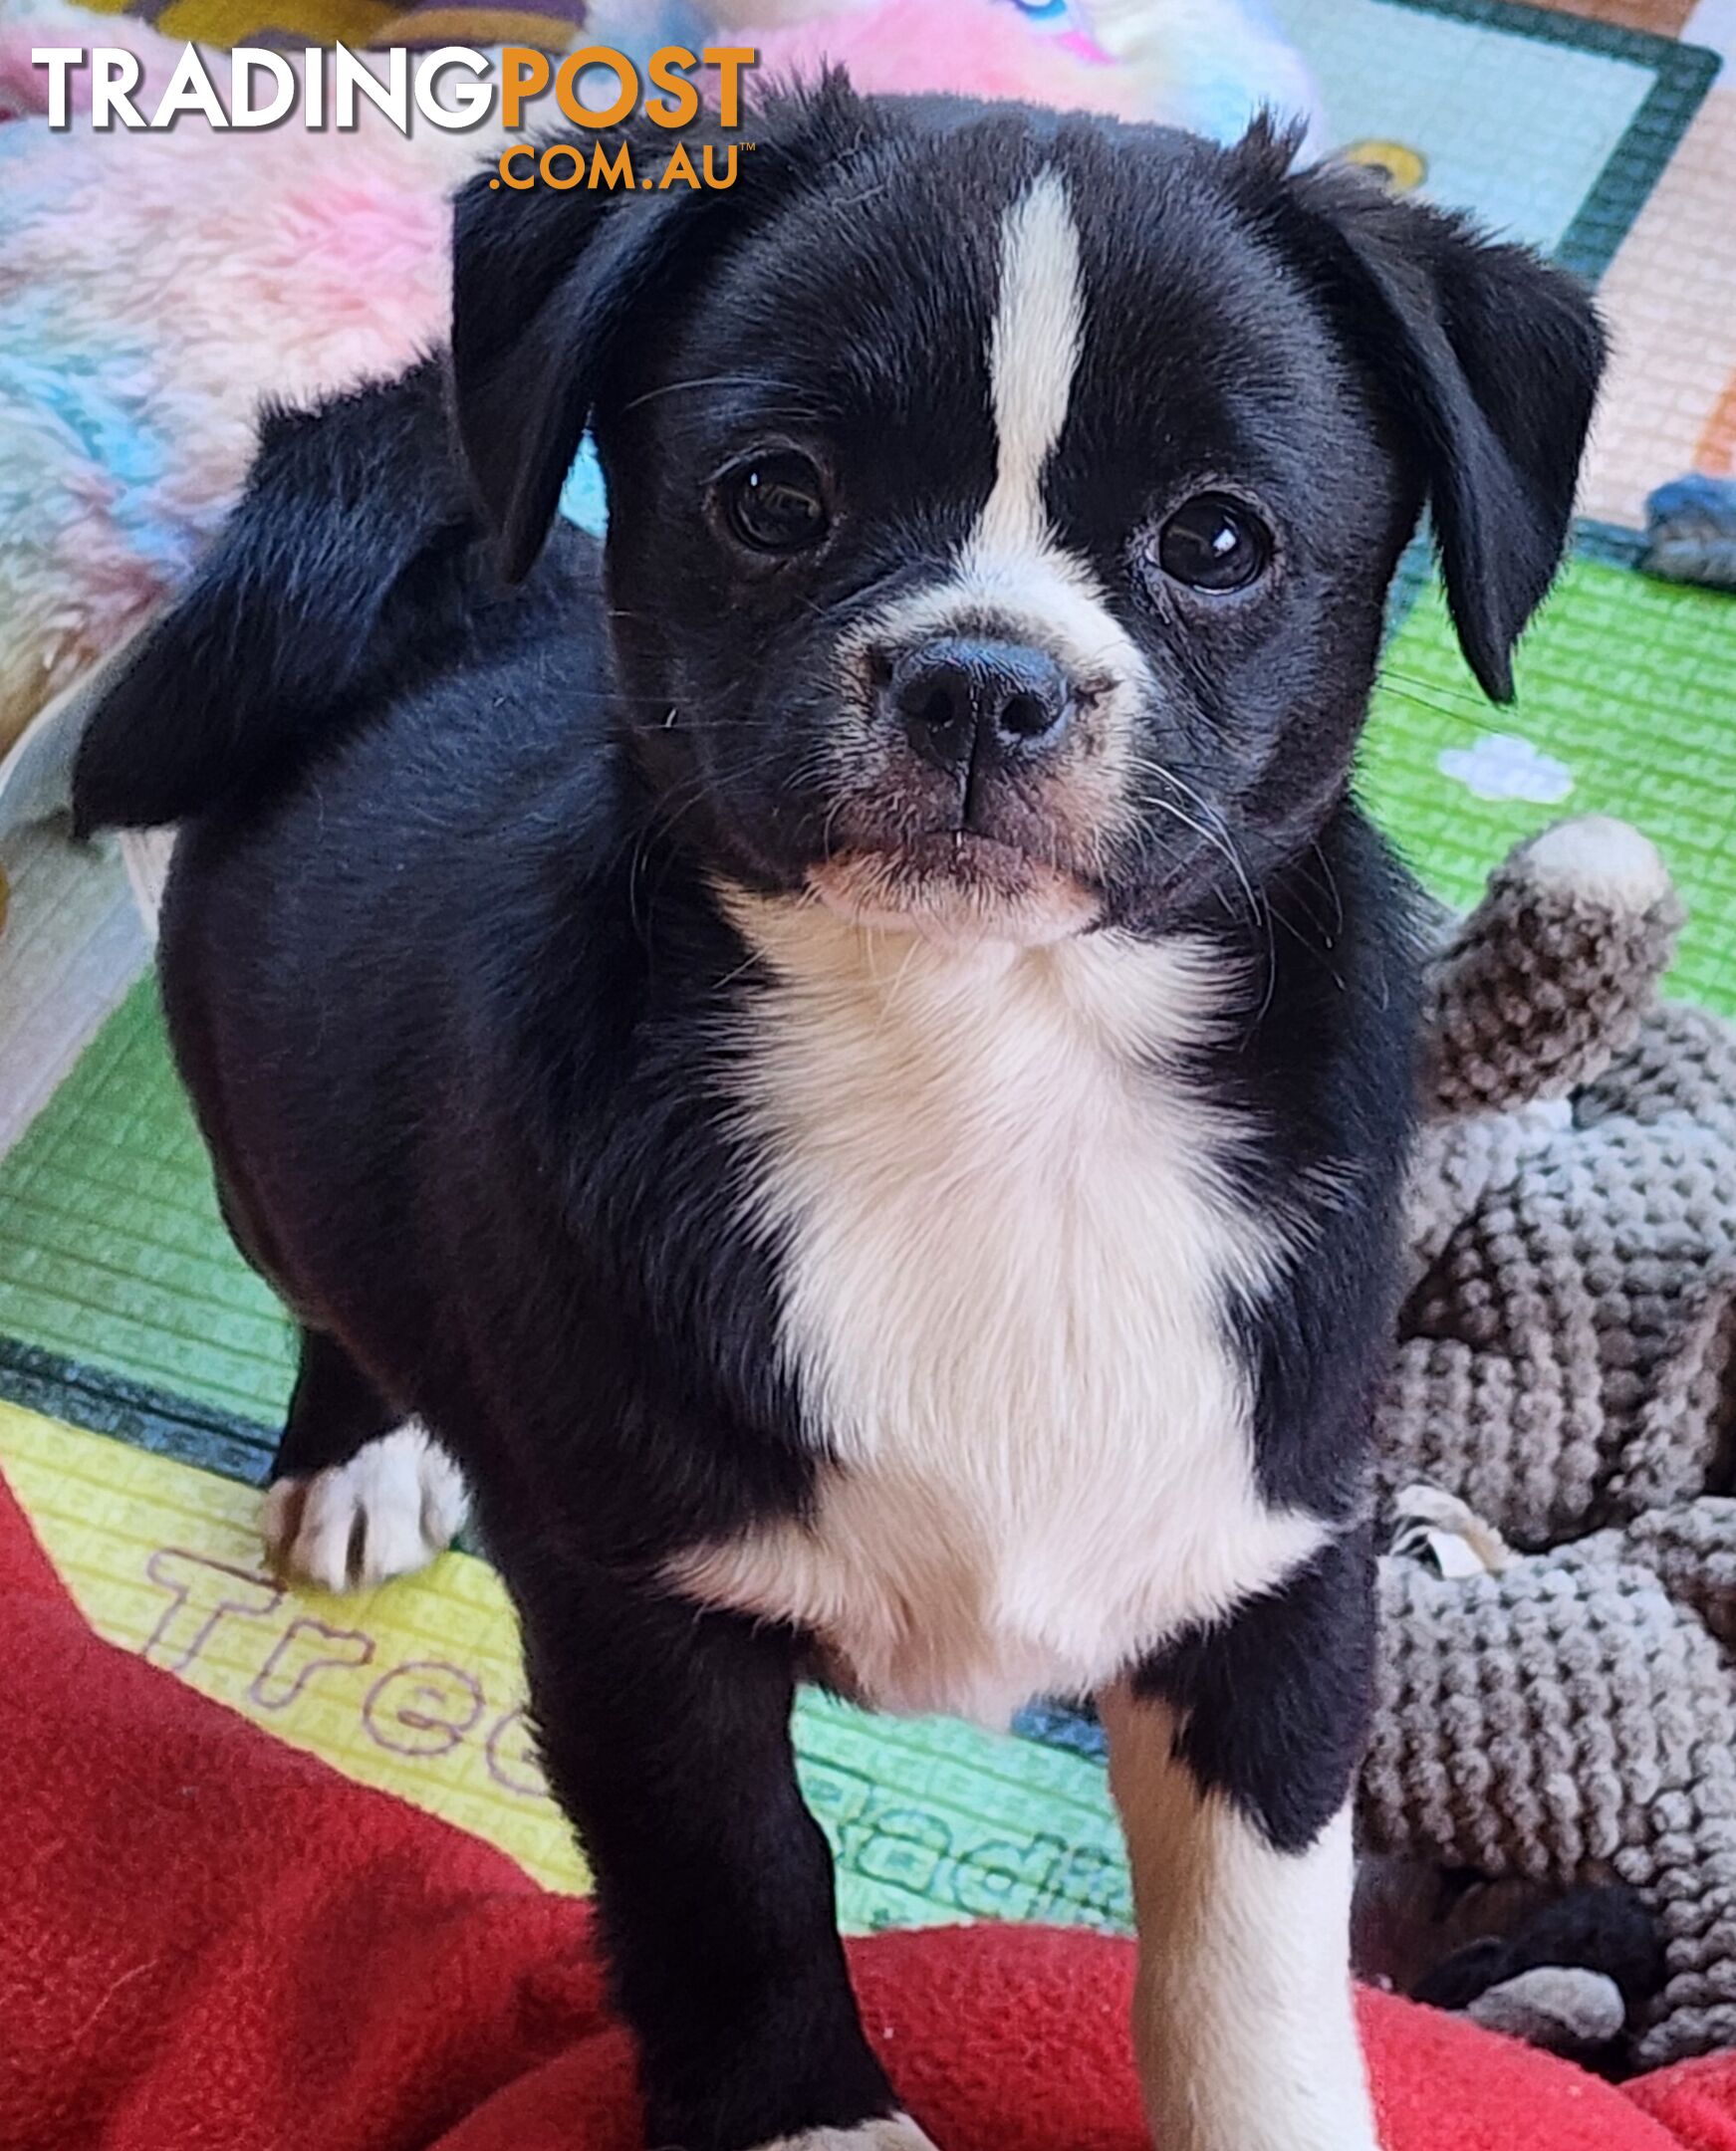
[397, 1502]
[899, 2133]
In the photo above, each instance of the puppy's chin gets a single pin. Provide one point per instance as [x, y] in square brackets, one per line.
[955, 889]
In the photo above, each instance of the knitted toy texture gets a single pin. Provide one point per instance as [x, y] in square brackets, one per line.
[1557, 1685]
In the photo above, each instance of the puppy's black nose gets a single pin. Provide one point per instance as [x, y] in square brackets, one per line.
[956, 693]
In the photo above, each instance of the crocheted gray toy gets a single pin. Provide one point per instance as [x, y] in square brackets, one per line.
[1558, 1682]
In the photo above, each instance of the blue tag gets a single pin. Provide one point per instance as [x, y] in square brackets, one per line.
[583, 498]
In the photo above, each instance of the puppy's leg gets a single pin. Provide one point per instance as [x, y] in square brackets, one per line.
[357, 1492]
[1232, 1761]
[665, 1735]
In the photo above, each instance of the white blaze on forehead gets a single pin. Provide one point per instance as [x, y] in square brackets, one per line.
[1012, 566]
[1033, 355]
[1012, 576]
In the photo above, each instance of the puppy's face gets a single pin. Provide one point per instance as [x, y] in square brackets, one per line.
[1001, 517]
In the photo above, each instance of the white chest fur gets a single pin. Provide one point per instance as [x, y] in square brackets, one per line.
[1006, 1236]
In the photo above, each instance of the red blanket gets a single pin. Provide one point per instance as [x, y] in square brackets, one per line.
[209, 1940]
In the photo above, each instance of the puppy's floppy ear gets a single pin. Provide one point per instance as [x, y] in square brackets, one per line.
[1489, 359]
[545, 281]
[542, 284]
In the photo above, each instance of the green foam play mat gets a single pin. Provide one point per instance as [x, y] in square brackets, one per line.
[1625, 705]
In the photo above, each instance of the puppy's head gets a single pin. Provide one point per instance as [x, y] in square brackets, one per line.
[1002, 506]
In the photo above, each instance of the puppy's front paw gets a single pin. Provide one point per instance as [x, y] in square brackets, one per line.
[899, 2133]
[389, 1509]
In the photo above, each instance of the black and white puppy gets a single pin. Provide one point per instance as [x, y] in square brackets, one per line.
[849, 1059]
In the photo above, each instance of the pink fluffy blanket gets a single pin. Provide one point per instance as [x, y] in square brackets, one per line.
[154, 288]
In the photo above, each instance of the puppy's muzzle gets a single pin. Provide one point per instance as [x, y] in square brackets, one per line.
[964, 701]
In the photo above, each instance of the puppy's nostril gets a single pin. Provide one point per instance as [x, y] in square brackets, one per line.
[942, 708]
[936, 706]
[1028, 716]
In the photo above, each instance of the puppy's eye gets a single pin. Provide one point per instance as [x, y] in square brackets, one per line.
[776, 503]
[1213, 542]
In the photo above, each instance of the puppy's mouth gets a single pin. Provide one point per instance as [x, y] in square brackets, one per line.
[955, 885]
